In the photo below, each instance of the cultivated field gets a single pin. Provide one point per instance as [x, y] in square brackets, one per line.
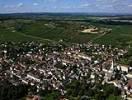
[69, 31]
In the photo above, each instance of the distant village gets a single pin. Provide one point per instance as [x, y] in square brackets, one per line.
[53, 66]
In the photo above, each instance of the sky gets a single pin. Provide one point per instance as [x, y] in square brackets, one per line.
[83, 6]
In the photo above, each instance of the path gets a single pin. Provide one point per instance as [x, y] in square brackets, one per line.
[35, 37]
[97, 37]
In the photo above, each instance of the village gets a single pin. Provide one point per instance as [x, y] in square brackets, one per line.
[53, 66]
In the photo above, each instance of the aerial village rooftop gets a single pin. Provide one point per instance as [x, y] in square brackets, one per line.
[51, 67]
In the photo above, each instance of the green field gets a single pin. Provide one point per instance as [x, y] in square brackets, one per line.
[121, 35]
[69, 31]
[42, 31]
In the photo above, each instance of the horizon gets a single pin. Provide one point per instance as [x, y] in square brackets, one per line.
[70, 13]
[66, 6]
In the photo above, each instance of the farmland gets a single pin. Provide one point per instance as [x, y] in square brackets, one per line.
[41, 30]
[68, 31]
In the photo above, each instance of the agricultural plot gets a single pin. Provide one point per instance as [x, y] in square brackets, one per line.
[69, 31]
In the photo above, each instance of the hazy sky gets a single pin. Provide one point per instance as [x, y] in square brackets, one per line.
[110, 6]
